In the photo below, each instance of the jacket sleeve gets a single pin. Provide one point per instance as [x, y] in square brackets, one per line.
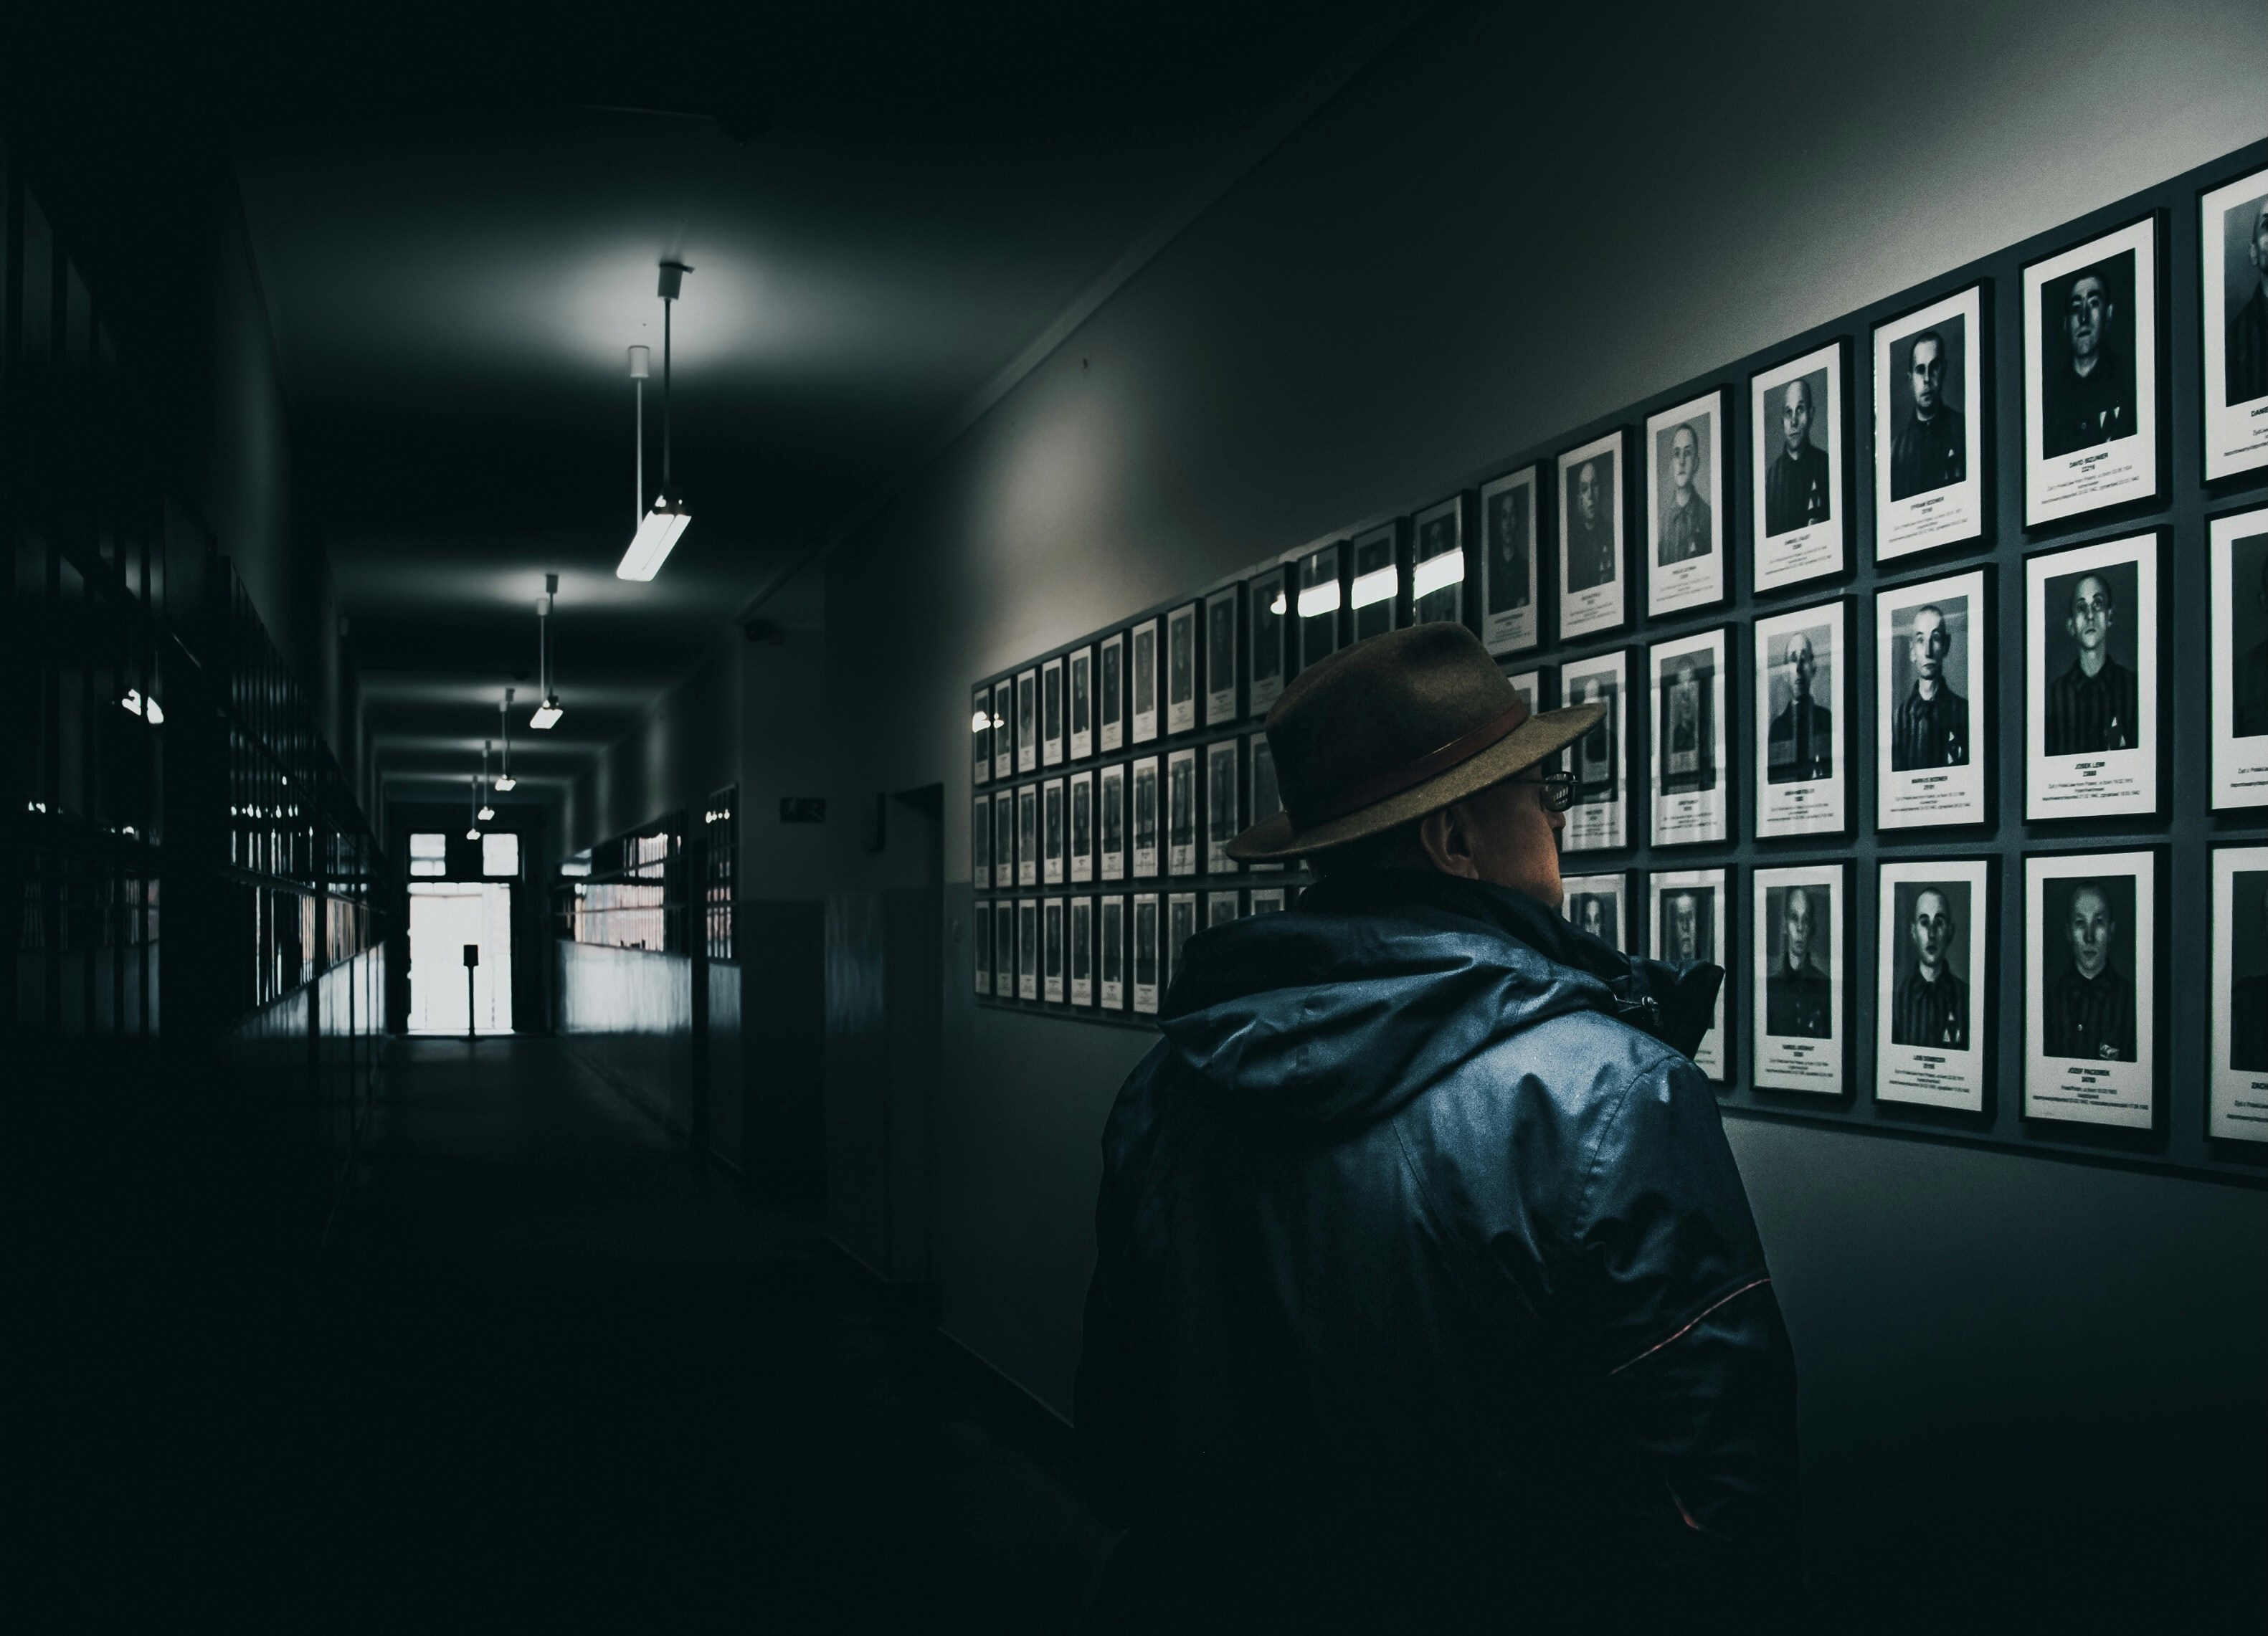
[1681, 1328]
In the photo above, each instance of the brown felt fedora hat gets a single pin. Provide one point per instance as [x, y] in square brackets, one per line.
[1391, 729]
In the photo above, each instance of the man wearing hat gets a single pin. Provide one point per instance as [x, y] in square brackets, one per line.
[1426, 1291]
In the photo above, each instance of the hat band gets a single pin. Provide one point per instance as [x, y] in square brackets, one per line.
[1411, 773]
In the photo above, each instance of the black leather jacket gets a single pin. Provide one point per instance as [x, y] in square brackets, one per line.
[1428, 1292]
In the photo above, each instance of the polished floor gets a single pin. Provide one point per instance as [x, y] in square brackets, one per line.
[552, 1374]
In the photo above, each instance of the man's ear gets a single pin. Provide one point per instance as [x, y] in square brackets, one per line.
[1447, 842]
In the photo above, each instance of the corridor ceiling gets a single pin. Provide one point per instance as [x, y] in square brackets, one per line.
[458, 237]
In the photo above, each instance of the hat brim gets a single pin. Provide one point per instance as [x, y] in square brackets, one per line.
[1277, 839]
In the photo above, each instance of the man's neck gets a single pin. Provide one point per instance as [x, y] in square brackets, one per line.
[1925, 688]
[1795, 967]
[1681, 497]
[1791, 451]
[1924, 416]
[2101, 973]
[1929, 973]
[2091, 660]
[2083, 368]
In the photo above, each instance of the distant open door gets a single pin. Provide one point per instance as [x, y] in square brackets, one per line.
[444, 916]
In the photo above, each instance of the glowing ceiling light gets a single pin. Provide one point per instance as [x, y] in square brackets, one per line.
[980, 721]
[1277, 606]
[1375, 587]
[1319, 599]
[487, 812]
[660, 527]
[547, 713]
[134, 704]
[657, 534]
[1439, 573]
[505, 780]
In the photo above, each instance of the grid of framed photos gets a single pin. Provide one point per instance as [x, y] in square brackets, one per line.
[1935, 646]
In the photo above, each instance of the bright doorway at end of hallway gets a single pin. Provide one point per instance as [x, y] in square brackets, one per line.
[444, 916]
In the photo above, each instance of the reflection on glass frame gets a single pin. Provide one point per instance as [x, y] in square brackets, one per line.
[1930, 373]
[1182, 669]
[1801, 495]
[1004, 948]
[1004, 840]
[2091, 698]
[1270, 612]
[1530, 685]
[1437, 564]
[1374, 596]
[1110, 692]
[1221, 815]
[1147, 933]
[2090, 987]
[1222, 907]
[1082, 827]
[981, 944]
[1685, 505]
[1691, 782]
[1051, 829]
[1802, 707]
[1027, 834]
[980, 733]
[1051, 951]
[1143, 668]
[1222, 623]
[1509, 595]
[1267, 900]
[1180, 926]
[2237, 564]
[1599, 820]
[1028, 948]
[1267, 799]
[1004, 728]
[2233, 268]
[1321, 597]
[1028, 720]
[1599, 905]
[980, 843]
[1110, 822]
[1591, 558]
[1932, 980]
[1081, 671]
[1110, 954]
[1802, 979]
[2237, 1072]
[1147, 819]
[1690, 910]
[1051, 713]
[1181, 813]
[1082, 951]
[2091, 375]
[1933, 705]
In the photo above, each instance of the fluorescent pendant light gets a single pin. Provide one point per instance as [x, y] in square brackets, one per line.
[505, 780]
[134, 704]
[657, 534]
[487, 812]
[473, 824]
[663, 524]
[1319, 599]
[1375, 587]
[1439, 573]
[547, 713]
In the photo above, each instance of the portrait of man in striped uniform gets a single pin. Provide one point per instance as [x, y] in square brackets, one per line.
[1931, 728]
[2095, 704]
[1798, 995]
[1930, 1005]
[2090, 1003]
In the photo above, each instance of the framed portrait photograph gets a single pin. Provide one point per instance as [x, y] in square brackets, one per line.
[1082, 827]
[1028, 948]
[1690, 802]
[1437, 564]
[2232, 265]
[1598, 906]
[1591, 561]
[1222, 907]
[1080, 670]
[2237, 1100]
[1143, 708]
[980, 730]
[1933, 703]
[1802, 677]
[1180, 926]
[980, 844]
[1801, 1027]
[1051, 713]
[2091, 375]
[1051, 950]
[1269, 613]
[1147, 954]
[1110, 822]
[1110, 952]
[1599, 820]
[1529, 684]
[2091, 694]
[1374, 596]
[1028, 720]
[1932, 980]
[980, 947]
[1027, 834]
[1690, 910]
[1222, 818]
[1266, 800]
[1082, 951]
[1684, 505]
[1267, 900]
[1509, 593]
[2090, 990]
[1929, 426]
[1181, 813]
[1004, 840]
[2236, 553]
[1051, 832]
[1796, 437]
[1004, 728]
[1321, 599]
[1224, 620]
[1110, 693]
[1004, 948]
[1147, 818]
[1182, 669]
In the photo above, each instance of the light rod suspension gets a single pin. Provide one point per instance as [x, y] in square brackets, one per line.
[505, 780]
[658, 530]
[547, 712]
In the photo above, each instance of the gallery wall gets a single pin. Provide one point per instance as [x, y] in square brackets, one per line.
[1494, 235]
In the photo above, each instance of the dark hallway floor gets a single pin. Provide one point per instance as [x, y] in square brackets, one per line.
[552, 1373]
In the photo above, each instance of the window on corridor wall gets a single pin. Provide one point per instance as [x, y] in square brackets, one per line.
[500, 856]
[429, 854]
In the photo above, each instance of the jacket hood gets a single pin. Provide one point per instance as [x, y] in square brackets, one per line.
[1315, 1024]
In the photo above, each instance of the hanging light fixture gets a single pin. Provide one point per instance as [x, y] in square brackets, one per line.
[548, 713]
[658, 529]
[487, 812]
[505, 780]
[471, 811]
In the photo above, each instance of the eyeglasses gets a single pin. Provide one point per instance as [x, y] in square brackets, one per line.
[1558, 790]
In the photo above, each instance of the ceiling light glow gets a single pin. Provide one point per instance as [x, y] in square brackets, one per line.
[1375, 587]
[1439, 573]
[1319, 599]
